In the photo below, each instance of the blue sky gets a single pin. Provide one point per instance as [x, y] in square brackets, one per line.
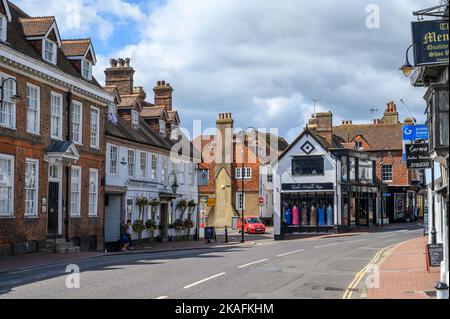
[263, 61]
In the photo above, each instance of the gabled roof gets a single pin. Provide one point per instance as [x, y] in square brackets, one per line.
[40, 27]
[113, 90]
[155, 112]
[78, 48]
[130, 101]
[378, 136]
[336, 142]
[173, 116]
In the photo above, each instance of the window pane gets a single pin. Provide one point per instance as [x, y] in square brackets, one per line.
[307, 166]
[443, 128]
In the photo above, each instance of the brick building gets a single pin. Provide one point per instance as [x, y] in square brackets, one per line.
[222, 162]
[139, 163]
[52, 141]
[383, 137]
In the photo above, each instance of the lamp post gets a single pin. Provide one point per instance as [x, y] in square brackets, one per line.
[381, 183]
[242, 179]
[174, 186]
[14, 98]
[407, 68]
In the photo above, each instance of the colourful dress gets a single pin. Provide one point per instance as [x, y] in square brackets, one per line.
[330, 215]
[288, 216]
[312, 216]
[295, 216]
[304, 216]
[321, 216]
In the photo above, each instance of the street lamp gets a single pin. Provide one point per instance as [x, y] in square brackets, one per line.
[174, 185]
[242, 178]
[14, 98]
[386, 148]
[407, 68]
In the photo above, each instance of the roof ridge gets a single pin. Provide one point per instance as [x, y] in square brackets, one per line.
[76, 40]
[38, 18]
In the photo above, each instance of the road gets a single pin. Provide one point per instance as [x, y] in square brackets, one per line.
[307, 268]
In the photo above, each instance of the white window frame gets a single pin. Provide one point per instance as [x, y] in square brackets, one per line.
[131, 162]
[44, 50]
[9, 185]
[3, 27]
[383, 174]
[55, 117]
[113, 161]
[77, 203]
[35, 188]
[87, 63]
[247, 173]
[7, 103]
[79, 140]
[182, 173]
[154, 167]
[93, 193]
[97, 128]
[143, 164]
[358, 145]
[164, 164]
[134, 119]
[112, 112]
[239, 202]
[162, 127]
[37, 111]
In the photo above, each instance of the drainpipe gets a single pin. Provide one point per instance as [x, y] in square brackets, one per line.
[69, 114]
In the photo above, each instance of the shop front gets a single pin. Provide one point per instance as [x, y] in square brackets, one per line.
[359, 205]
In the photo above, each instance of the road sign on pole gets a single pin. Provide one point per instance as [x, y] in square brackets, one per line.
[261, 200]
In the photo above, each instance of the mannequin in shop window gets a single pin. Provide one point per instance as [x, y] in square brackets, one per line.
[313, 215]
[321, 211]
[330, 214]
[288, 215]
[295, 215]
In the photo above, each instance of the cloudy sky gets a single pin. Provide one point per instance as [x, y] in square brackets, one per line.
[262, 60]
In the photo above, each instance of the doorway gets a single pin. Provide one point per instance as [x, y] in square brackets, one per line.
[163, 220]
[53, 209]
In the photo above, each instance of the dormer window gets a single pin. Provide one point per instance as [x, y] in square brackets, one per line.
[49, 52]
[112, 112]
[87, 69]
[134, 119]
[3, 26]
[358, 145]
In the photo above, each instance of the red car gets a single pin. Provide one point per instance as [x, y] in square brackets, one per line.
[252, 225]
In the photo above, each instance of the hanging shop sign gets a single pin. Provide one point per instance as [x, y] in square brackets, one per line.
[415, 132]
[417, 156]
[430, 42]
[308, 187]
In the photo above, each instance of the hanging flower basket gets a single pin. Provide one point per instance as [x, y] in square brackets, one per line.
[141, 201]
[150, 225]
[188, 224]
[154, 202]
[182, 204]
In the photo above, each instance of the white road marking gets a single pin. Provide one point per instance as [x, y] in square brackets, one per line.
[162, 297]
[290, 253]
[355, 241]
[203, 280]
[387, 236]
[252, 263]
[326, 245]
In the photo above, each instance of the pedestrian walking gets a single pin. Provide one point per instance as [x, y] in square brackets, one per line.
[124, 240]
[129, 232]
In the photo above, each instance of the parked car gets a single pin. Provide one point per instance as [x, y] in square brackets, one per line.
[252, 225]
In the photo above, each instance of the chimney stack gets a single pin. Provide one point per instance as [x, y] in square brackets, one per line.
[322, 124]
[121, 74]
[163, 95]
[390, 114]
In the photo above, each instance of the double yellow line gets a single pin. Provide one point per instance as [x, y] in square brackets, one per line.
[360, 275]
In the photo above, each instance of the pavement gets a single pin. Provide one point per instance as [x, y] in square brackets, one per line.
[319, 268]
[404, 274]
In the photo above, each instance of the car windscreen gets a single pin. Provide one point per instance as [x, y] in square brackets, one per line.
[253, 221]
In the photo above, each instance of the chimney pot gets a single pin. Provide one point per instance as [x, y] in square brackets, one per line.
[127, 62]
[113, 63]
[121, 62]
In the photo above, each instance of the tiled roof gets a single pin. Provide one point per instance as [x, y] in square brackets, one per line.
[173, 115]
[77, 47]
[129, 100]
[18, 42]
[36, 26]
[377, 135]
[154, 111]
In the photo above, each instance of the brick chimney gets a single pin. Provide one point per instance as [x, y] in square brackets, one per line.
[139, 91]
[224, 142]
[121, 74]
[409, 121]
[322, 124]
[163, 95]
[390, 114]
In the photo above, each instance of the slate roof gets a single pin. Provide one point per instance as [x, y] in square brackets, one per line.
[59, 146]
[377, 135]
[18, 42]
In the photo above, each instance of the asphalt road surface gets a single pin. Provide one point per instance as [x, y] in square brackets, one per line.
[307, 268]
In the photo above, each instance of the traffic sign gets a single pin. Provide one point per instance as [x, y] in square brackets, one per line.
[415, 132]
[261, 200]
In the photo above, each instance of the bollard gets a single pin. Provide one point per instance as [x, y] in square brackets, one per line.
[226, 234]
[442, 291]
